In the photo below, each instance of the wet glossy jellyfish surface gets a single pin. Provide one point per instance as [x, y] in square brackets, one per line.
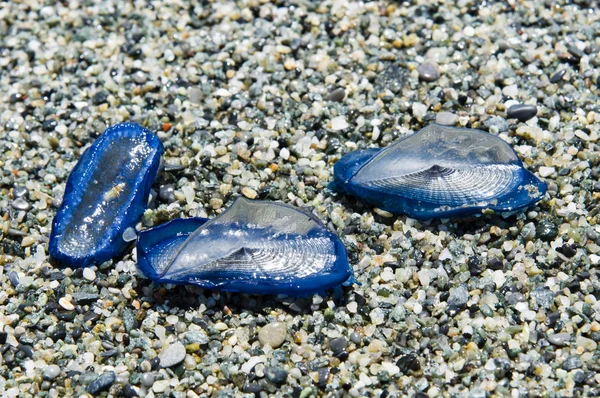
[106, 193]
[255, 247]
[440, 172]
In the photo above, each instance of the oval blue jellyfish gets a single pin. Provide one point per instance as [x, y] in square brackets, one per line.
[253, 247]
[106, 193]
[440, 172]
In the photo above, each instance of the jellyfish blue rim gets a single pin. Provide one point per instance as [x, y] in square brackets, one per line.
[340, 272]
[351, 163]
[112, 245]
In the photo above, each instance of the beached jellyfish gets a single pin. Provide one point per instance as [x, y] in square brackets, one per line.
[440, 172]
[106, 193]
[253, 247]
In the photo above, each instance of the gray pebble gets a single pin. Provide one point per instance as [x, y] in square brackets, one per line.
[323, 376]
[13, 277]
[20, 191]
[337, 95]
[26, 349]
[338, 345]
[521, 112]
[458, 296]
[572, 362]
[355, 338]
[173, 355]
[503, 45]
[496, 123]
[129, 320]
[542, 297]
[139, 77]
[559, 339]
[51, 372]
[20, 204]
[148, 379]
[446, 118]
[428, 72]
[195, 95]
[195, 337]
[514, 298]
[102, 383]
[84, 298]
[275, 374]
[145, 366]
[273, 334]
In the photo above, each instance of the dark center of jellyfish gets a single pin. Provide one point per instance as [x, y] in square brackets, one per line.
[437, 171]
[110, 184]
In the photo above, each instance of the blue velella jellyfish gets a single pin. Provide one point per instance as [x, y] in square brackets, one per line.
[106, 193]
[440, 172]
[255, 247]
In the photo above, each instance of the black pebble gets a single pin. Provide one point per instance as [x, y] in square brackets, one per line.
[253, 388]
[57, 276]
[495, 263]
[155, 363]
[91, 316]
[522, 112]
[49, 124]
[337, 95]
[66, 315]
[27, 350]
[166, 193]
[555, 78]
[546, 231]
[77, 332]
[16, 97]
[60, 334]
[102, 383]
[408, 362]
[99, 98]
[129, 391]
[275, 374]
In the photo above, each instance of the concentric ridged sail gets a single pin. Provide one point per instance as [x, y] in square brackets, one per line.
[255, 246]
[440, 172]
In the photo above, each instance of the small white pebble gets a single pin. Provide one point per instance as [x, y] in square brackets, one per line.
[419, 110]
[546, 171]
[445, 255]
[284, 153]
[352, 307]
[424, 277]
[66, 303]
[376, 133]
[339, 123]
[129, 235]
[511, 91]
[221, 326]
[469, 31]
[89, 274]
[222, 93]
